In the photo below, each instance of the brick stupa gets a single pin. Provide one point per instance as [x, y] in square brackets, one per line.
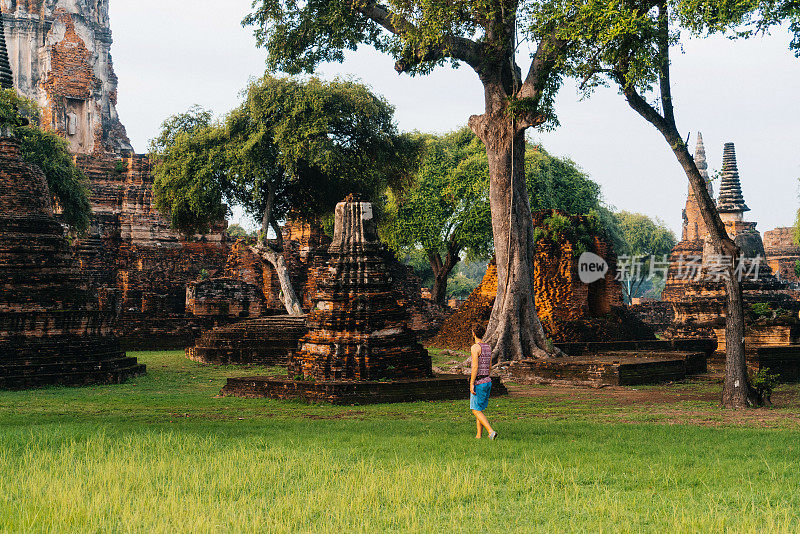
[698, 300]
[359, 348]
[51, 331]
[357, 331]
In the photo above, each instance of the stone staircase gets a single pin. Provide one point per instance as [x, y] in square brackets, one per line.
[64, 361]
[263, 341]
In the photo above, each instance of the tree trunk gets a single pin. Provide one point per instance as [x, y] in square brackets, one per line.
[441, 272]
[278, 262]
[275, 258]
[514, 330]
[736, 390]
[439, 290]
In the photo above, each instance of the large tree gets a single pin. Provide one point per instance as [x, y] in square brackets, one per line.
[446, 209]
[67, 183]
[482, 35]
[628, 43]
[293, 148]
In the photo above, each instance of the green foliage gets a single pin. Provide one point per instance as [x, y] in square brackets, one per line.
[643, 236]
[559, 184]
[16, 110]
[120, 166]
[558, 229]
[417, 259]
[309, 142]
[764, 382]
[448, 200]
[194, 119]
[797, 268]
[67, 183]
[190, 171]
[447, 205]
[761, 309]
[460, 286]
[236, 231]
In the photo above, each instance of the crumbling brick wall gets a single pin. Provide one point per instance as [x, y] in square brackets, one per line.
[569, 309]
[782, 252]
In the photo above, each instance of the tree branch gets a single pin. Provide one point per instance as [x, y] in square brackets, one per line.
[278, 233]
[459, 48]
[663, 73]
[267, 216]
[546, 57]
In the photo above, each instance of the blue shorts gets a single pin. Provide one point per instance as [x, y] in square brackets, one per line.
[480, 400]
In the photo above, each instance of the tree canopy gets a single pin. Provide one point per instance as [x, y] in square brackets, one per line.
[646, 244]
[66, 182]
[291, 146]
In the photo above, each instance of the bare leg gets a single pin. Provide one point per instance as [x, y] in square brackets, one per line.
[480, 428]
[482, 421]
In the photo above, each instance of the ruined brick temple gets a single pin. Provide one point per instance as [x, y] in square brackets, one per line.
[697, 295]
[59, 51]
[52, 329]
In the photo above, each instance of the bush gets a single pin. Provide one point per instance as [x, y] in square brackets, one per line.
[761, 309]
[764, 383]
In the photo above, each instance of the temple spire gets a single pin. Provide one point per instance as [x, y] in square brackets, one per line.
[702, 164]
[6, 77]
[730, 189]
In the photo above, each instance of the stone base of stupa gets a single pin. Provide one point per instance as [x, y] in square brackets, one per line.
[440, 387]
[64, 361]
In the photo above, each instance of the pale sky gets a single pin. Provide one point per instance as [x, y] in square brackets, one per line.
[169, 56]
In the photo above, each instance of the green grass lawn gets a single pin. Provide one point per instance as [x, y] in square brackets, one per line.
[162, 453]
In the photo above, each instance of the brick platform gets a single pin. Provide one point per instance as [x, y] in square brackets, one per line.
[66, 361]
[264, 341]
[442, 387]
[784, 361]
[609, 369]
[646, 347]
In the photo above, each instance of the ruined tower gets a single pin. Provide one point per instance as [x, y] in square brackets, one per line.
[694, 229]
[59, 51]
[53, 329]
[731, 206]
